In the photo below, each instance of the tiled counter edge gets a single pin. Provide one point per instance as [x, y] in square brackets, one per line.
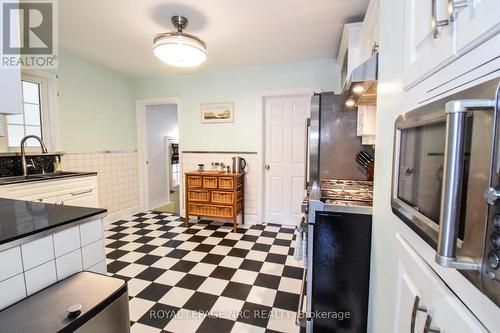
[35, 264]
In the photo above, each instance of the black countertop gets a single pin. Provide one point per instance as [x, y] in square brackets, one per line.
[19, 219]
[44, 177]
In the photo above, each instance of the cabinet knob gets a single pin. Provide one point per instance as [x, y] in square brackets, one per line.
[267, 167]
[491, 196]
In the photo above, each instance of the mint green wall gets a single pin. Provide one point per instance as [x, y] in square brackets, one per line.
[240, 86]
[96, 107]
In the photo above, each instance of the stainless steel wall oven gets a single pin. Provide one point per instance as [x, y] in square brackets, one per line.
[446, 181]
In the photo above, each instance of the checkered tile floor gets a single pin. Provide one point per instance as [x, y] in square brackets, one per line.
[205, 278]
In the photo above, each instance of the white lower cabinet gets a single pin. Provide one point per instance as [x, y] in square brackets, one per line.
[74, 191]
[437, 305]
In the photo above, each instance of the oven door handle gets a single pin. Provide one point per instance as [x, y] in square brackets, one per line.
[451, 193]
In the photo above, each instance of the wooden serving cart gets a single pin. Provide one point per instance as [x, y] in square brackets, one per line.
[215, 194]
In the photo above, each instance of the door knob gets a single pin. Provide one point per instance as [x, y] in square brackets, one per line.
[267, 167]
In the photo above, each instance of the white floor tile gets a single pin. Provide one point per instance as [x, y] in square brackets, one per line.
[213, 286]
[244, 276]
[138, 307]
[261, 295]
[177, 297]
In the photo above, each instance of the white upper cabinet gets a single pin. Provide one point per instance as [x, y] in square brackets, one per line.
[422, 297]
[424, 50]
[10, 87]
[478, 19]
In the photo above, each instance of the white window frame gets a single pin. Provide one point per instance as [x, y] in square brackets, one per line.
[49, 108]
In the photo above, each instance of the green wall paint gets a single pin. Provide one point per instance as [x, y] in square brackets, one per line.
[96, 107]
[240, 86]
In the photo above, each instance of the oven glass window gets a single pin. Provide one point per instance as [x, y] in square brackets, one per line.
[421, 168]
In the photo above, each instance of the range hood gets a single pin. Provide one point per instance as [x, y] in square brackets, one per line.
[361, 88]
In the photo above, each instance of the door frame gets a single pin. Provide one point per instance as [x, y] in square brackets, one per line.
[261, 140]
[142, 151]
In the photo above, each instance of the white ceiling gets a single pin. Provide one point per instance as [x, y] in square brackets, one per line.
[238, 33]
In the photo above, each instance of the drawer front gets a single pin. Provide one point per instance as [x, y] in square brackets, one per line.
[209, 182]
[194, 181]
[222, 197]
[226, 183]
[211, 210]
[198, 195]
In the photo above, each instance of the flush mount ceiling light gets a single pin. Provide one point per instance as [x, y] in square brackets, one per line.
[178, 48]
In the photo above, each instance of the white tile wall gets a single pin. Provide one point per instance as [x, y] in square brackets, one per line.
[12, 290]
[191, 160]
[117, 176]
[33, 266]
[10, 263]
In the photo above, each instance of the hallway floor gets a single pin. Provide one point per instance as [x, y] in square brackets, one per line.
[205, 278]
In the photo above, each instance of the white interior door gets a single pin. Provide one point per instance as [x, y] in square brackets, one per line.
[285, 147]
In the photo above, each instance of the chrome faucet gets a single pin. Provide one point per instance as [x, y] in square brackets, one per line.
[23, 151]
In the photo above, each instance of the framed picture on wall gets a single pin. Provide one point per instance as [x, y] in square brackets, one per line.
[217, 113]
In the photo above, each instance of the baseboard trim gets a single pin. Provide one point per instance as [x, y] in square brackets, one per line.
[121, 214]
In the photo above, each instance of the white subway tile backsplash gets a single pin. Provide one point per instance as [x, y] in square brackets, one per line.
[37, 252]
[12, 290]
[40, 277]
[99, 268]
[10, 263]
[117, 173]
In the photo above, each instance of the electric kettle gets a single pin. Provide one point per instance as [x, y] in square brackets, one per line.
[239, 164]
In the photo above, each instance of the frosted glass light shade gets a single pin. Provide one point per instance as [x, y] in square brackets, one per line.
[180, 49]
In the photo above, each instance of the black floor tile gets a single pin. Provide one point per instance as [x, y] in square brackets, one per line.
[267, 281]
[179, 254]
[190, 281]
[116, 244]
[261, 247]
[228, 242]
[116, 266]
[183, 266]
[292, 272]
[145, 248]
[150, 273]
[204, 248]
[237, 290]
[251, 265]
[211, 258]
[236, 252]
[144, 239]
[276, 258]
[255, 314]
[116, 254]
[154, 292]
[214, 324]
[201, 302]
[148, 260]
[224, 273]
[287, 301]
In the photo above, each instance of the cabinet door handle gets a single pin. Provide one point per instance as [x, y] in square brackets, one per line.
[416, 308]
[453, 6]
[437, 24]
[428, 328]
[301, 320]
[81, 192]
